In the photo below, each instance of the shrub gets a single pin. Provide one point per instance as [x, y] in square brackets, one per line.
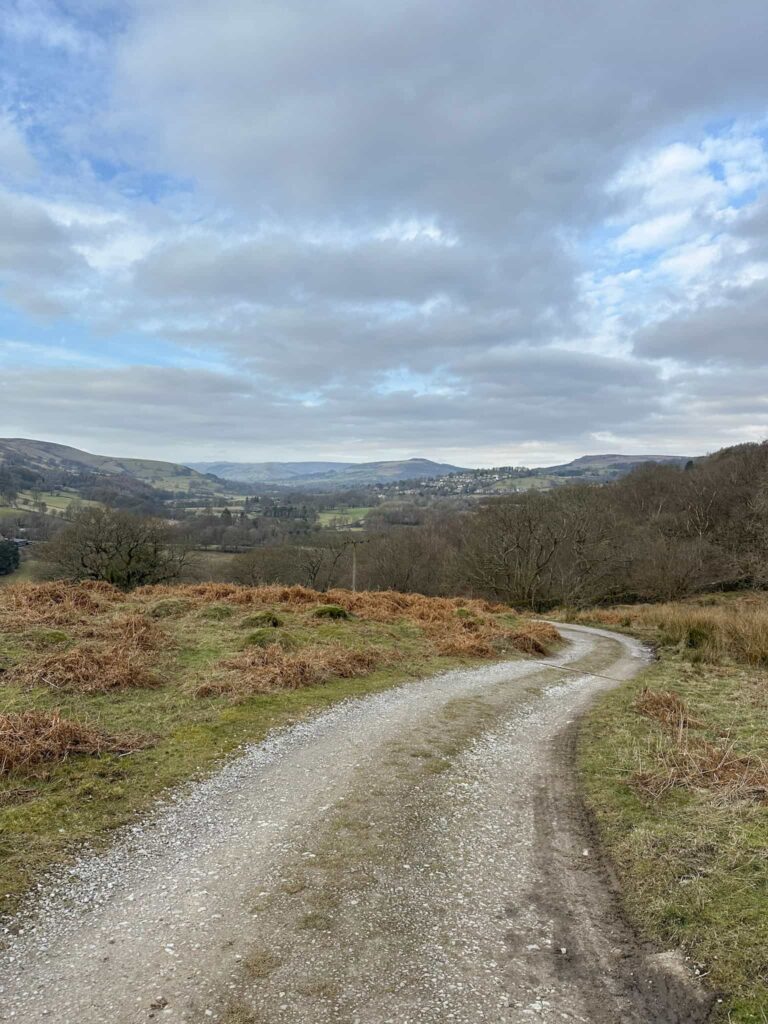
[259, 638]
[330, 611]
[464, 613]
[263, 618]
[217, 612]
[9, 557]
[170, 608]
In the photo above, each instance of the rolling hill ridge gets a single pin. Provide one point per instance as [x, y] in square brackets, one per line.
[47, 456]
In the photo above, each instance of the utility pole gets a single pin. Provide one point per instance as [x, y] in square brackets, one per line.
[354, 545]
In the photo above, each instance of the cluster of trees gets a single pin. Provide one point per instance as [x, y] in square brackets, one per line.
[659, 533]
[232, 531]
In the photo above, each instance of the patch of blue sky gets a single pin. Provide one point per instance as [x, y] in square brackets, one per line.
[27, 342]
[716, 170]
[745, 198]
[56, 67]
[403, 379]
[133, 182]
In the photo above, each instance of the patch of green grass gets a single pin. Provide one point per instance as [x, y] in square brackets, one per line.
[169, 608]
[342, 516]
[59, 500]
[693, 863]
[267, 637]
[330, 611]
[265, 618]
[217, 612]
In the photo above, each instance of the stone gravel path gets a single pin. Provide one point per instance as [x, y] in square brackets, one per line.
[416, 855]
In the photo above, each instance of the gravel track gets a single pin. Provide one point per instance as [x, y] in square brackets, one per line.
[416, 855]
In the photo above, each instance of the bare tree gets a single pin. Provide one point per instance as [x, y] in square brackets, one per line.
[512, 547]
[123, 549]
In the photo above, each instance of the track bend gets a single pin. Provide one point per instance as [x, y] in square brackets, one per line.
[413, 856]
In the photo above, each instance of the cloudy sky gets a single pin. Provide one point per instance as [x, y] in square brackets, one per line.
[487, 232]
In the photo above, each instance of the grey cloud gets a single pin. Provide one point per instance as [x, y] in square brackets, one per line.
[734, 332]
[30, 241]
[37, 257]
[280, 268]
[557, 403]
[535, 398]
[490, 116]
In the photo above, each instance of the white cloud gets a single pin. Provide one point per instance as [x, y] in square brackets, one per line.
[16, 160]
[656, 232]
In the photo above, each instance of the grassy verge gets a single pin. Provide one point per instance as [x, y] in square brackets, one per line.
[675, 768]
[169, 680]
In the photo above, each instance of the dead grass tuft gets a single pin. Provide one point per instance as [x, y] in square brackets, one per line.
[88, 668]
[535, 637]
[133, 630]
[698, 764]
[486, 638]
[665, 707]
[36, 737]
[267, 669]
[55, 603]
[390, 605]
[694, 762]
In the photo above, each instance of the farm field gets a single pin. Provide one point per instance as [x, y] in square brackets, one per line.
[211, 565]
[59, 500]
[342, 515]
[109, 699]
[27, 572]
[675, 766]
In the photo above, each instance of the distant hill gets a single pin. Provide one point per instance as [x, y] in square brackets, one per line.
[327, 474]
[266, 472]
[621, 463]
[46, 455]
[588, 469]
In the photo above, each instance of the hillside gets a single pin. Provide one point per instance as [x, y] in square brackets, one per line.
[327, 474]
[619, 463]
[266, 472]
[47, 456]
